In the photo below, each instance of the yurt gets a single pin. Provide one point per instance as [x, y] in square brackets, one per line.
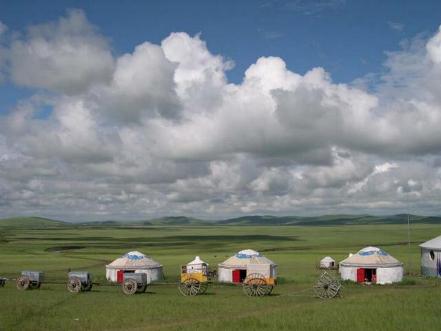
[371, 265]
[197, 265]
[327, 263]
[236, 268]
[431, 257]
[134, 262]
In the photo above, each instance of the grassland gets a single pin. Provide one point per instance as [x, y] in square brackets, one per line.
[53, 248]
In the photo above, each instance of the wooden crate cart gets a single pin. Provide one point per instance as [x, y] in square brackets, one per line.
[29, 280]
[134, 283]
[79, 281]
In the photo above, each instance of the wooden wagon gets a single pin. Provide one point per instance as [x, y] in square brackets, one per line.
[29, 280]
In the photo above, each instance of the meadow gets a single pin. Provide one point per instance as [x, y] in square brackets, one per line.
[411, 305]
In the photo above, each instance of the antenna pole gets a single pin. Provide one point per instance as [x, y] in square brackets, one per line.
[408, 238]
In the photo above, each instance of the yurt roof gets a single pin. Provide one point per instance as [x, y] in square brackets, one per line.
[197, 261]
[434, 243]
[246, 257]
[134, 260]
[371, 257]
[327, 259]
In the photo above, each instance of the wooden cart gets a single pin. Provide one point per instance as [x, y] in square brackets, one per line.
[29, 280]
[79, 281]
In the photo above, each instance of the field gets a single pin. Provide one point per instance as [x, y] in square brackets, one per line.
[411, 305]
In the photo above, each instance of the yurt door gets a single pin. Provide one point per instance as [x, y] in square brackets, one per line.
[236, 276]
[120, 276]
[360, 275]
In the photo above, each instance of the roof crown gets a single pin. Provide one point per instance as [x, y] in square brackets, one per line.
[247, 253]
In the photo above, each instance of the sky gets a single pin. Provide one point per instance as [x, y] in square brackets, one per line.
[136, 109]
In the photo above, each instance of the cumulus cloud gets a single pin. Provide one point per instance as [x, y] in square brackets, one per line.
[66, 56]
[161, 130]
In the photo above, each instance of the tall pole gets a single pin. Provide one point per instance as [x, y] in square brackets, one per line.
[408, 240]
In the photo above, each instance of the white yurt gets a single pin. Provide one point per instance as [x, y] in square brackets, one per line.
[327, 263]
[134, 262]
[236, 268]
[197, 265]
[371, 265]
[431, 257]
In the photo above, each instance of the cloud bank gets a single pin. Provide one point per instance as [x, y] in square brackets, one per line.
[161, 131]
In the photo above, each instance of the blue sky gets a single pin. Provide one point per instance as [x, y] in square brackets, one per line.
[348, 38]
[107, 110]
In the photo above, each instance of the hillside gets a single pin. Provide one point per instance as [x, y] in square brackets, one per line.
[30, 222]
[325, 220]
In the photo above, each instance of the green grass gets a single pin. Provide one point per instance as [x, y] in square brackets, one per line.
[411, 305]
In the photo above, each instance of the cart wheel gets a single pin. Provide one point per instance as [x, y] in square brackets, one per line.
[129, 287]
[141, 289]
[255, 285]
[88, 287]
[327, 287]
[190, 286]
[204, 287]
[34, 285]
[74, 285]
[23, 283]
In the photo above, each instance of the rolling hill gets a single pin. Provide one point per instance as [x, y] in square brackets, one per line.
[325, 220]
[30, 222]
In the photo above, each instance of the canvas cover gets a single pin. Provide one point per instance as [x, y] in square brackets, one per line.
[197, 261]
[434, 243]
[134, 260]
[327, 259]
[371, 257]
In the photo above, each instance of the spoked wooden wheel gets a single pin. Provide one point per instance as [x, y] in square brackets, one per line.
[74, 285]
[190, 286]
[255, 285]
[129, 287]
[141, 289]
[34, 285]
[88, 287]
[327, 287]
[23, 283]
[204, 287]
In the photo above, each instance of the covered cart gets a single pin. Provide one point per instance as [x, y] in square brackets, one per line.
[79, 281]
[194, 277]
[29, 280]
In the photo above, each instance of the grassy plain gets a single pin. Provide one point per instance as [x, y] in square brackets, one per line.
[412, 305]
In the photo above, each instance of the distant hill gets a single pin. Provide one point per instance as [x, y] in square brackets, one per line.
[30, 222]
[177, 220]
[325, 220]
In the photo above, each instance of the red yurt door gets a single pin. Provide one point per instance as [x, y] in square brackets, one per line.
[236, 276]
[360, 275]
[120, 276]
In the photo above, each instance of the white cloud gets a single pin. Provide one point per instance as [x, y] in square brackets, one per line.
[67, 56]
[160, 131]
[142, 87]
